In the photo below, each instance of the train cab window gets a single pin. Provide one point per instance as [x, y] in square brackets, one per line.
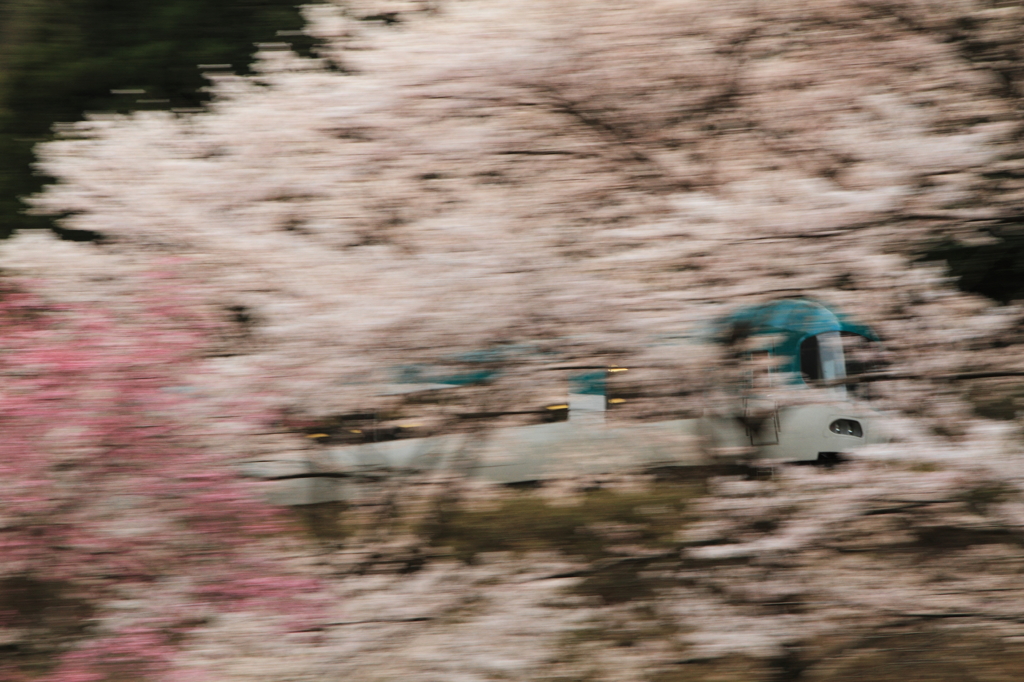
[835, 355]
[822, 358]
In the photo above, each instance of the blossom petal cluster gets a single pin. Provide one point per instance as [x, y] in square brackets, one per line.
[124, 524]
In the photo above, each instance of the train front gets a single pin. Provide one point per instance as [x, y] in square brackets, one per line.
[808, 347]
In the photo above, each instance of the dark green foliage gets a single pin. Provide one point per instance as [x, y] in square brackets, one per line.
[62, 58]
[324, 521]
[590, 529]
[50, 611]
[997, 399]
[979, 498]
[527, 522]
[992, 270]
[28, 602]
[921, 653]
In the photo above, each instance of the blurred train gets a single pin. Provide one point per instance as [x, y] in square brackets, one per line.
[808, 345]
[800, 343]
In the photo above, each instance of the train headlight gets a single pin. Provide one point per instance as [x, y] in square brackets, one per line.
[847, 427]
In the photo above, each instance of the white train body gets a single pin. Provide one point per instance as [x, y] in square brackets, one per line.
[806, 337]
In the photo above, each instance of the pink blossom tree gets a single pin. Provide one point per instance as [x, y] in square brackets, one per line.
[124, 525]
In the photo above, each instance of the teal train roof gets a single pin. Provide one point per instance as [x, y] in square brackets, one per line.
[793, 316]
[791, 321]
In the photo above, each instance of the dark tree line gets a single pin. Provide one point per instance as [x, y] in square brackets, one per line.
[62, 58]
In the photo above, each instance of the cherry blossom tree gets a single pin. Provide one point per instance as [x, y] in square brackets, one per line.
[586, 176]
[124, 526]
[596, 178]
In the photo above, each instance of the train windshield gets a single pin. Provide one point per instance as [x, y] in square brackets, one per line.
[822, 359]
[837, 355]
